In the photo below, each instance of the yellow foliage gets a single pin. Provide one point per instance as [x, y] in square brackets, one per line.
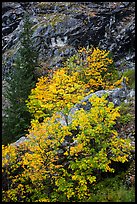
[55, 94]
[95, 67]
[40, 162]
[42, 169]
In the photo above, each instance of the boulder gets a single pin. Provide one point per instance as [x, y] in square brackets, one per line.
[116, 96]
[20, 141]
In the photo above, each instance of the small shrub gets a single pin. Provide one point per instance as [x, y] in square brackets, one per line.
[126, 116]
[112, 190]
[130, 74]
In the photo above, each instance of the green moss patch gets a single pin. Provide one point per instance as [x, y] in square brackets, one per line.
[112, 190]
[131, 78]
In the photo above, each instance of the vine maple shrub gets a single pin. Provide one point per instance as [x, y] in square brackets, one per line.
[62, 162]
[68, 175]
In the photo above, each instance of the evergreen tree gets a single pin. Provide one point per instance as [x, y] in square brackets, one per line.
[20, 82]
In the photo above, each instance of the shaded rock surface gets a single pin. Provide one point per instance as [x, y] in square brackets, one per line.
[61, 27]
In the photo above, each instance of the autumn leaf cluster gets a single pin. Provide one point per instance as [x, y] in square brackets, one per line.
[95, 67]
[51, 95]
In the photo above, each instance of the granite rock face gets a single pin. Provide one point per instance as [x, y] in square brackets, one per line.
[61, 27]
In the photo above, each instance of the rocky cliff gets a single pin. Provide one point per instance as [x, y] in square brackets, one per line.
[61, 27]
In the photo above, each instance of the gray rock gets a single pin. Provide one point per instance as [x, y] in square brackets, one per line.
[20, 141]
[116, 96]
[6, 30]
[131, 93]
[61, 119]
